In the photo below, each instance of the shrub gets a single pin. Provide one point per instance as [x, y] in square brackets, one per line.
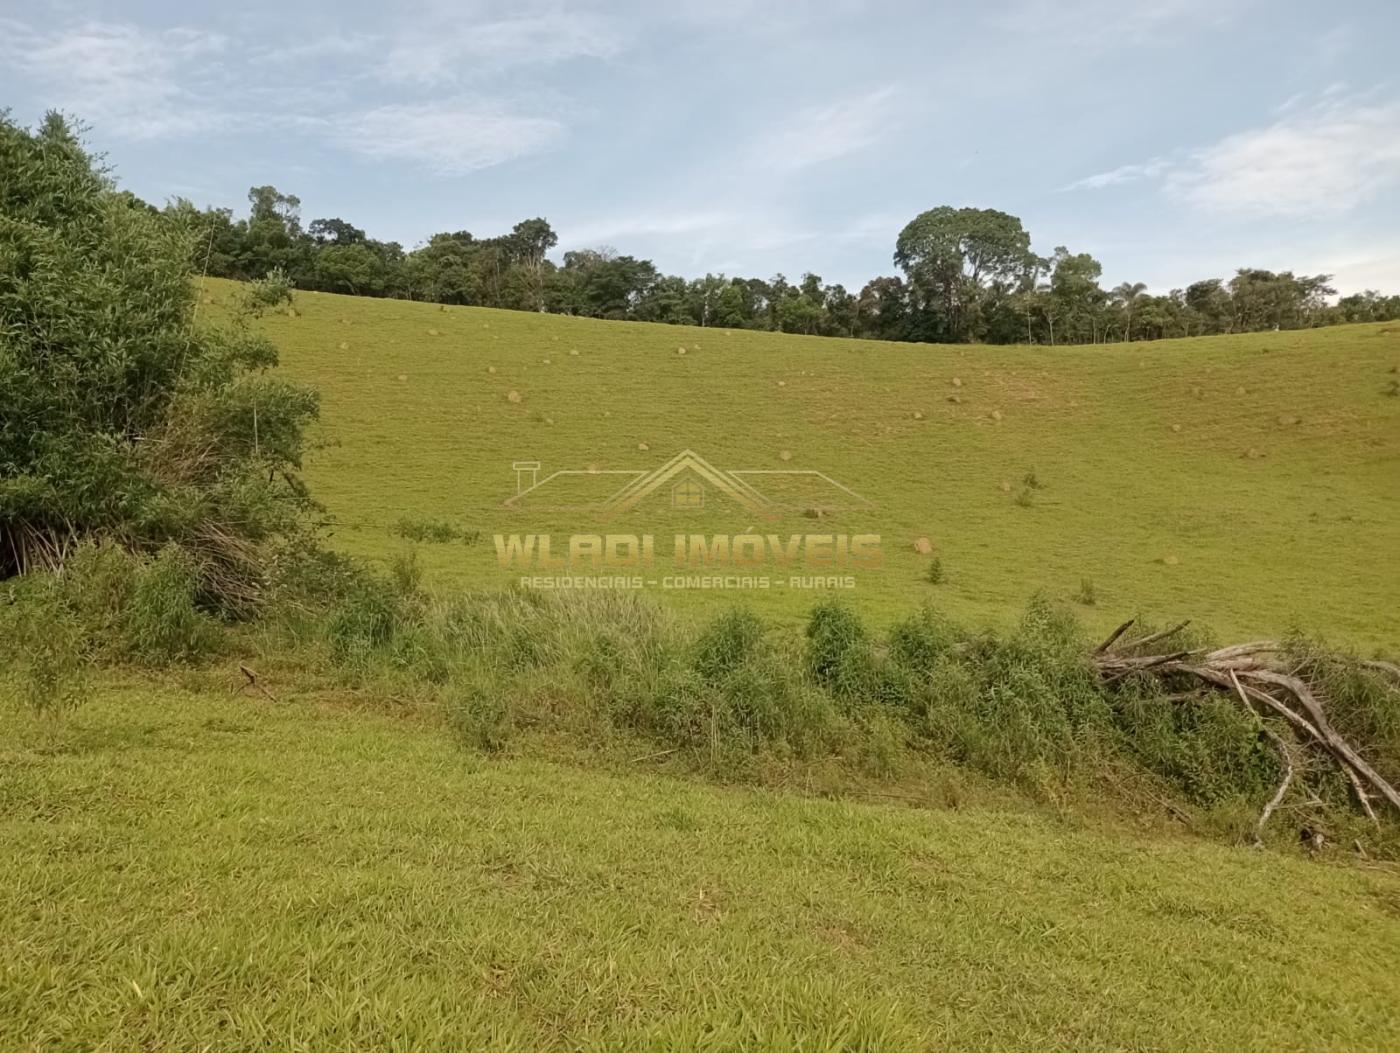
[480, 715]
[435, 531]
[122, 607]
[42, 641]
[1209, 748]
[123, 420]
[162, 621]
[406, 573]
[839, 654]
[934, 574]
[727, 643]
[267, 293]
[361, 622]
[918, 642]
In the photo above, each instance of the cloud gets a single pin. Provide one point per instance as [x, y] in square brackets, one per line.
[1320, 160]
[322, 46]
[1363, 267]
[667, 223]
[127, 80]
[1122, 174]
[698, 240]
[1325, 160]
[1106, 23]
[449, 138]
[454, 50]
[825, 133]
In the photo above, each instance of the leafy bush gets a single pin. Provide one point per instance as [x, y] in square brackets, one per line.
[42, 643]
[918, 642]
[124, 419]
[726, 643]
[1210, 749]
[108, 605]
[934, 574]
[267, 293]
[839, 654]
[480, 715]
[435, 531]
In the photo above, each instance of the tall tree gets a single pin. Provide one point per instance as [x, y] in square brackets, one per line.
[1125, 296]
[951, 254]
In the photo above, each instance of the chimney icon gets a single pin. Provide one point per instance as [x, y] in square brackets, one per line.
[525, 475]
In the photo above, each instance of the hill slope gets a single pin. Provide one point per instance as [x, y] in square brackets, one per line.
[1250, 482]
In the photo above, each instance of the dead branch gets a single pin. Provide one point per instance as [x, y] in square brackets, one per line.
[1162, 635]
[1285, 756]
[1255, 674]
[255, 683]
[1384, 667]
[1113, 636]
[655, 756]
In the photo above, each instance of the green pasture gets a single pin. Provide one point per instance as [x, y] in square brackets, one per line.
[1250, 482]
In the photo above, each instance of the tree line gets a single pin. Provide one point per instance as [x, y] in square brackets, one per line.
[967, 274]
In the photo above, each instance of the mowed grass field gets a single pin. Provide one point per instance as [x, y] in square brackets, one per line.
[1251, 483]
[187, 870]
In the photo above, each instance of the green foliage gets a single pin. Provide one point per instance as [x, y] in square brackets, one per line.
[161, 620]
[917, 643]
[267, 293]
[42, 644]
[933, 574]
[971, 275]
[108, 605]
[480, 715]
[727, 643]
[840, 657]
[434, 531]
[956, 260]
[124, 419]
[1210, 749]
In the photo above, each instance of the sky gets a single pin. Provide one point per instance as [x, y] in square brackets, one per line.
[1173, 139]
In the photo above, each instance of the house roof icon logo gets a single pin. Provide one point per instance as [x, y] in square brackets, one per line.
[742, 486]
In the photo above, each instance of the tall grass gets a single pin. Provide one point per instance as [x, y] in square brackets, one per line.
[1024, 707]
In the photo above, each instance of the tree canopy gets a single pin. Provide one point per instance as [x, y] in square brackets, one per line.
[968, 274]
[123, 418]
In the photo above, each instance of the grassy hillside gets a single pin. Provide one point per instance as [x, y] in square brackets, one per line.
[1251, 482]
[187, 871]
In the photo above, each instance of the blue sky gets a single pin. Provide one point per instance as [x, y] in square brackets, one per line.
[1173, 139]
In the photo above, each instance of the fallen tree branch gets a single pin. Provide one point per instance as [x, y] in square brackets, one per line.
[1285, 755]
[1255, 674]
[1113, 636]
[1154, 637]
[255, 682]
[1384, 667]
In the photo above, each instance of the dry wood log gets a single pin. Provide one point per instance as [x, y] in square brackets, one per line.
[1254, 673]
[255, 682]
